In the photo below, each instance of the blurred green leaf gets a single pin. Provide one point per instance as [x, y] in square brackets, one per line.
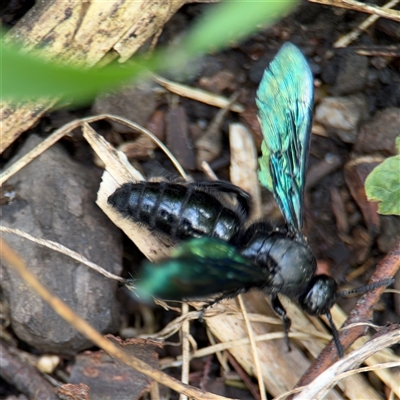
[24, 76]
[398, 144]
[234, 20]
[383, 185]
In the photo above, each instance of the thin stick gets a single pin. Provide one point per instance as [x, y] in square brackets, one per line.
[359, 6]
[211, 175]
[198, 94]
[345, 40]
[156, 140]
[244, 376]
[376, 367]
[217, 348]
[185, 349]
[59, 133]
[318, 388]
[38, 150]
[253, 346]
[63, 250]
[220, 356]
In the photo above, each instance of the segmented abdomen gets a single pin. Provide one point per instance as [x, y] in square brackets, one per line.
[177, 210]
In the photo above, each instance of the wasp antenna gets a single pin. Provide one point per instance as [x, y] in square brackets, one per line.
[335, 334]
[366, 288]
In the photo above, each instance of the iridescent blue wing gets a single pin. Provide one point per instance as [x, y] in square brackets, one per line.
[197, 268]
[285, 101]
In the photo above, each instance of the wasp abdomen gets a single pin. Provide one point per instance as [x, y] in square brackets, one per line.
[177, 210]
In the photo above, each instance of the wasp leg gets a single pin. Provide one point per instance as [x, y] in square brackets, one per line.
[279, 310]
[227, 295]
[226, 187]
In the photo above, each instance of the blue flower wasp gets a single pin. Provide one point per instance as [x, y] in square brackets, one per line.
[218, 255]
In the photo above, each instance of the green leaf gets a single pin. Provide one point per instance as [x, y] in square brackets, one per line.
[27, 77]
[24, 76]
[383, 184]
[234, 20]
[398, 144]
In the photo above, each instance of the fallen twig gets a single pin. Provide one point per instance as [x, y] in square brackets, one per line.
[362, 311]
